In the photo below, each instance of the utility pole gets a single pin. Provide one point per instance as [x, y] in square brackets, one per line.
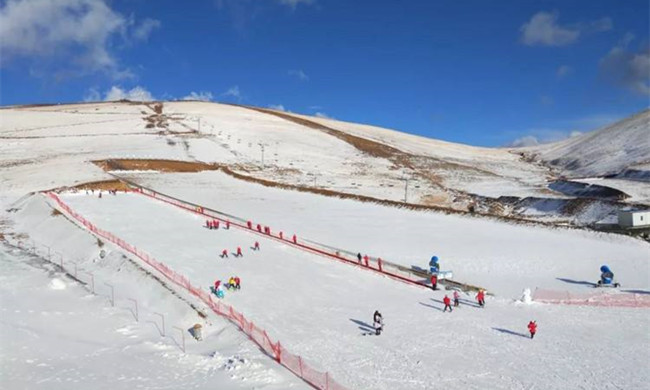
[262, 149]
[406, 188]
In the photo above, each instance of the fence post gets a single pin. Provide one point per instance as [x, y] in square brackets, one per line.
[92, 281]
[136, 308]
[112, 294]
[163, 323]
[182, 336]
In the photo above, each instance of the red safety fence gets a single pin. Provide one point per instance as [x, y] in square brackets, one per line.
[296, 364]
[593, 298]
[375, 264]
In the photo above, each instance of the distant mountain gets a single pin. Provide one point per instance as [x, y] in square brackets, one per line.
[608, 151]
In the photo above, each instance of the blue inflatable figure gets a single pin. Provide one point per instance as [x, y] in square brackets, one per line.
[434, 266]
[606, 278]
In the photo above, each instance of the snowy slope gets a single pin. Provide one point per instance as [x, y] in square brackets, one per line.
[603, 152]
[56, 335]
[320, 308]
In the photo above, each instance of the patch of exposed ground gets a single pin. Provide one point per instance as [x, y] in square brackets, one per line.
[154, 165]
[103, 185]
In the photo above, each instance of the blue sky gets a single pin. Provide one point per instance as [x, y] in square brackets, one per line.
[477, 72]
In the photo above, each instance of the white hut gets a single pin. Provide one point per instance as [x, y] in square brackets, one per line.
[634, 218]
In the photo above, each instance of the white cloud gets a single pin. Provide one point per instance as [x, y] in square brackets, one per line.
[92, 95]
[627, 68]
[544, 30]
[204, 96]
[233, 92]
[563, 71]
[278, 107]
[144, 29]
[294, 3]
[138, 94]
[543, 136]
[322, 115]
[299, 74]
[77, 33]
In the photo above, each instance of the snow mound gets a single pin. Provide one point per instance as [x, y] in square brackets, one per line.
[57, 284]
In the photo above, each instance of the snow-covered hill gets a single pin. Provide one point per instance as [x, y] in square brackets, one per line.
[608, 151]
[317, 307]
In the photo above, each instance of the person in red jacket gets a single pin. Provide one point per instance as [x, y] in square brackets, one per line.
[532, 328]
[228, 224]
[295, 239]
[480, 297]
[249, 224]
[224, 253]
[434, 282]
[239, 254]
[256, 246]
[447, 302]
[237, 283]
[216, 284]
[215, 223]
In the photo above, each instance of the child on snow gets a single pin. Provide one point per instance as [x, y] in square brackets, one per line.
[456, 298]
[434, 282]
[447, 302]
[377, 322]
[532, 328]
[480, 297]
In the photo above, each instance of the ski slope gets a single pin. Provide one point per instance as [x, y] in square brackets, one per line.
[503, 257]
[319, 308]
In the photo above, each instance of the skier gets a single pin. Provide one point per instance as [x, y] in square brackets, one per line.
[480, 297]
[532, 328]
[295, 239]
[456, 298]
[237, 283]
[256, 246]
[378, 322]
[217, 283]
[249, 224]
[259, 228]
[447, 302]
[208, 224]
[434, 282]
[365, 259]
[231, 283]
[224, 253]
[359, 257]
[228, 224]
[216, 224]
[239, 254]
[281, 236]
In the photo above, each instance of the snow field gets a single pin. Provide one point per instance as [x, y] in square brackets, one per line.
[505, 258]
[79, 341]
[316, 308]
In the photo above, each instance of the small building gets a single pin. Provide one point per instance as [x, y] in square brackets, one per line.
[634, 218]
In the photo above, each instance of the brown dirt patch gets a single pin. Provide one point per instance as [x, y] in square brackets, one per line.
[103, 185]
[154, 165]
